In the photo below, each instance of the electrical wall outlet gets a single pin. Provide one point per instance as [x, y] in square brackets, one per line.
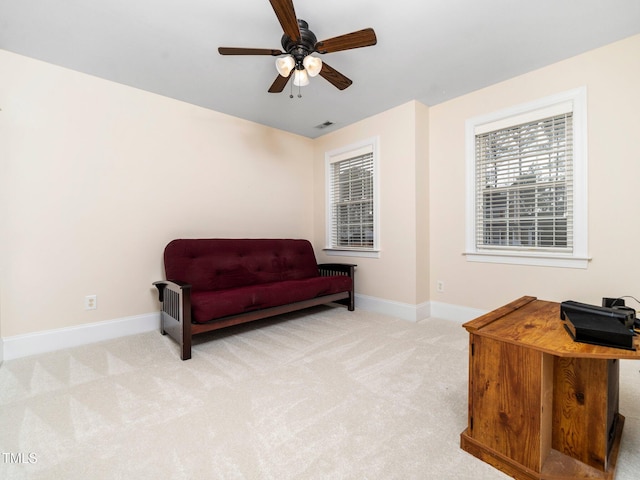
[440, 286]
[90, 302]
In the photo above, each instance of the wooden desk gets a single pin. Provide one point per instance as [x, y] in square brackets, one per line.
[542, 406]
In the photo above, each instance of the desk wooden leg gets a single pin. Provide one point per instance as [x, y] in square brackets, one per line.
[585, 408]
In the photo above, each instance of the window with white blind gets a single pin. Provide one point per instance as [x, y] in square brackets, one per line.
[352, 199]
[527, 184]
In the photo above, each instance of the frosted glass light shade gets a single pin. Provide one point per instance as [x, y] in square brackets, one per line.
[313, 65]
[284, 65]
[300, 78]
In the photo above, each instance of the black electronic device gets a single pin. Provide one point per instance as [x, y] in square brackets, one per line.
[618, 303]
[613, 302]
[606, 326]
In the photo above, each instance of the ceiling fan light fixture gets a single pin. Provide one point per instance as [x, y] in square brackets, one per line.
[300, 78]
[298, 42]
[284, 65]
[313, 65]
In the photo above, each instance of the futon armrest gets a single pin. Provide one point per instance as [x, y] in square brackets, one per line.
[175, 314]
[176, 285]
[327, 269]
[346, 269]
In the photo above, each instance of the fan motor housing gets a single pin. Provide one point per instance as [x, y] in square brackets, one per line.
[304, 47]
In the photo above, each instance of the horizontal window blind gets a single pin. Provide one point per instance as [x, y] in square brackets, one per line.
[352, 196]
[524, 186]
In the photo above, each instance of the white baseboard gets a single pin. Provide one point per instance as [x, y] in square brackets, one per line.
[50, 340]
[413, 313]
[457, 313]
[404, 311]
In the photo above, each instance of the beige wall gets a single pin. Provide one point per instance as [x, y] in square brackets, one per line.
[611, 75]
[400, 272]
[96, 177]
[423, 248]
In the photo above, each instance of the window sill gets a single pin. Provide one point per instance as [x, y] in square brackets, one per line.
[539, 260]
[345, 252]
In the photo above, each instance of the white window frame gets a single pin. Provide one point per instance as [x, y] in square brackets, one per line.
[578, 258]
[338, 155]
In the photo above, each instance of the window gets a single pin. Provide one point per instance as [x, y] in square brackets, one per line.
[527, 184]
[352, 200]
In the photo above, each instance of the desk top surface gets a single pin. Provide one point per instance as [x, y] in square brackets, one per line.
[536, 324]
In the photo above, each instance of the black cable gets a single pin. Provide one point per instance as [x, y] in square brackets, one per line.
[613, 304]
[636, 323]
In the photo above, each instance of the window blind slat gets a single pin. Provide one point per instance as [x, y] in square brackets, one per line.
[352, 201]
[524, 186]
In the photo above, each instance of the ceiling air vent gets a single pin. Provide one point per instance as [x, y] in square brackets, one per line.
[326, 124]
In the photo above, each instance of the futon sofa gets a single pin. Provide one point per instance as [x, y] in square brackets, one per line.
[218, 282]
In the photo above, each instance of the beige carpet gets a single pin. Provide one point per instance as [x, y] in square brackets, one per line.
[328, 394]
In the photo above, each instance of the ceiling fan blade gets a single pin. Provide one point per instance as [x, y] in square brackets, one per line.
[279, 83]
[248, 51]
[334, 77]
[361, 38]
[287, 17]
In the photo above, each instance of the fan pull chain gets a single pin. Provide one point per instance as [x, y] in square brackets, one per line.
[299, 92]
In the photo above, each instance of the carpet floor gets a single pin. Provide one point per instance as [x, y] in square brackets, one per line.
[320, 394]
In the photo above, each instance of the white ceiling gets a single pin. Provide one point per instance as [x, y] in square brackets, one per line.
[428, 50]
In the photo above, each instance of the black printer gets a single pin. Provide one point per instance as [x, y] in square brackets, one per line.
[609, 326]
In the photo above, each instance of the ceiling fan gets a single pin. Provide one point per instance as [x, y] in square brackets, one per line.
[298, 43]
